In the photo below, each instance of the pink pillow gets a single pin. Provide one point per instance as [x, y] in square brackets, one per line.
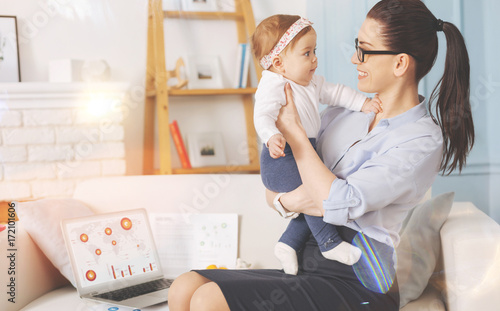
[42, 220]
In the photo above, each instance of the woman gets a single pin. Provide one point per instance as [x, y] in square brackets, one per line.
[371, 170]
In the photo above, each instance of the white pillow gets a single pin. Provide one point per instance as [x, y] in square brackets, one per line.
[420, 246]
[42, 220]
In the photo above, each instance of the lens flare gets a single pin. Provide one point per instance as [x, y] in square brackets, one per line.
[375, 269]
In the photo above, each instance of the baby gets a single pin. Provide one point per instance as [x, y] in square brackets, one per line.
[286, 48]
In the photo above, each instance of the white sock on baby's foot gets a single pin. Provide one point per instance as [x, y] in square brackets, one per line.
[288, 258]
[344, 253]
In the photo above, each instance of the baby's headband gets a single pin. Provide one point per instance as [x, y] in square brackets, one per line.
[300, 24]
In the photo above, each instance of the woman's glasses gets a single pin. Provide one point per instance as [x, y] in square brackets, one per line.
[361, 53]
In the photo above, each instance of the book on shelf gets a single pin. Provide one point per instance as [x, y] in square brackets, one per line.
[179, 144]
[242, 65]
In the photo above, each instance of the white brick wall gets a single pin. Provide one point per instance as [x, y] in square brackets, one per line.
[78, 169]
[14, 191]
[29, 171]
[114, 132]
[77, 134]
[10, 118]
[13, 154]
[27, 136]
[107, 150]
[48, 117]
[50, 153]
[48, 144]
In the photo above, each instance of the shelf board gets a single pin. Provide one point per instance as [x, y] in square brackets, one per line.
[200, 92]
[224, 169]
[202, 15]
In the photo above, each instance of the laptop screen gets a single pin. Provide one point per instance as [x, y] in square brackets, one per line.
[111, 247]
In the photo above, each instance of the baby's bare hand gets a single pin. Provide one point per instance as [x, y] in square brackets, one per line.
[372, 105]
[276, 146]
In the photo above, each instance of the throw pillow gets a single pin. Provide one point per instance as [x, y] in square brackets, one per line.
[419, 248]
[42, 220]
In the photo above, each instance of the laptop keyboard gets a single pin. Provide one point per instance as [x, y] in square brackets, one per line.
[136, 290]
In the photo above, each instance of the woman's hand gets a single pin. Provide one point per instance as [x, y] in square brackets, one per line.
[297, 201]
[288, 122]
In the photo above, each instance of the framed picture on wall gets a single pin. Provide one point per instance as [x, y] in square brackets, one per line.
[204, 72]
[206, 149]
[199, 5]
[9, 50]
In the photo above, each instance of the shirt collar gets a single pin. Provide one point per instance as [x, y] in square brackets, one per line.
[409, 116]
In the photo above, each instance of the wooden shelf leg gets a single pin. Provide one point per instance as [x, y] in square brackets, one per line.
[161, 87]
[253, 149]
[149, 103]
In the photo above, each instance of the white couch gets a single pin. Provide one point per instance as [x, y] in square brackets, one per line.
[469, 265]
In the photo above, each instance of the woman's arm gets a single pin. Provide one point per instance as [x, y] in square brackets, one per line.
[317, 179]
[400, 174]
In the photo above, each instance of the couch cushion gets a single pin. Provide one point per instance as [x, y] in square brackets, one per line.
[430, 300]
[420, 246]
[42, 218]
[66, 298]
[471, 255]
[35, 275]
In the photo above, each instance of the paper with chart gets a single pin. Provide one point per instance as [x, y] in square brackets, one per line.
[195, 241]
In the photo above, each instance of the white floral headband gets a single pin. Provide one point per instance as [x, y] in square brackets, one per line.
[300, 24]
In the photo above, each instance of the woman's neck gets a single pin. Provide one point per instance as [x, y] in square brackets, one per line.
[399, 100]
[396, 102]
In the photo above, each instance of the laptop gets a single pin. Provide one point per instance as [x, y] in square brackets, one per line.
[114, 259]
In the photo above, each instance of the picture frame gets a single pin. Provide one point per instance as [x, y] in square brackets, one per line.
[199, 5]
[206, 149]
[10, 69]
[204, 72]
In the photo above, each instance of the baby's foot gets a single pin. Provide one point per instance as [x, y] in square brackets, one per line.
[344, 253]
[288, 258]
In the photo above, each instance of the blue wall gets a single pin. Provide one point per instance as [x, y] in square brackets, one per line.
[337, 23]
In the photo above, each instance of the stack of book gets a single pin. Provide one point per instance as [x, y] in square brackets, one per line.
[242, 65]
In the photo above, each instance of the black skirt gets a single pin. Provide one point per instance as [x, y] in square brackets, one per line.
[321, 284]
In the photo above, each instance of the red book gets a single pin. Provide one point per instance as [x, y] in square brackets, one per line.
[179, 145]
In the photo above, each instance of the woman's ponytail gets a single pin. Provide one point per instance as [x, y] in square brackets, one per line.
[452, 108]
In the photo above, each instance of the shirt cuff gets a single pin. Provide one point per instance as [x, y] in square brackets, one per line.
[341, 198]
[267, 136]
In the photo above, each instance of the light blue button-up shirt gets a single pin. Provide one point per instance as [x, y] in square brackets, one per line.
[381, 174]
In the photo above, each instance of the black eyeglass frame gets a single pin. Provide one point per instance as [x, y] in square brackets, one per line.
[361, 57]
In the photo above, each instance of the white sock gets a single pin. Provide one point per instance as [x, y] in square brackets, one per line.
[344, 253]
[288, 258]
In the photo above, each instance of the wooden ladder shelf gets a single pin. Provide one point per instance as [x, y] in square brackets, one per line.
[157, 92]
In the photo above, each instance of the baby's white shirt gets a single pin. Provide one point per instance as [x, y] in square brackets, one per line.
[270, 97]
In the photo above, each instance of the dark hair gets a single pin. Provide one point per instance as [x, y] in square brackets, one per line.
[409, 26]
